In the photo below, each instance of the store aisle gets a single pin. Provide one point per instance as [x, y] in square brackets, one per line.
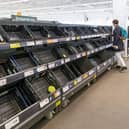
[105, 105]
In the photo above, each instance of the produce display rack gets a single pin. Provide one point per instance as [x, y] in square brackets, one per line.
[68, 57]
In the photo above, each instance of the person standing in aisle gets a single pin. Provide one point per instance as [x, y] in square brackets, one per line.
[118, 45]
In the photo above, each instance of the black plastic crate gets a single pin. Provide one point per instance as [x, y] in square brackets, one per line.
[53, 31]
[105, 55]
[39, 84]
[38, 32]
[88, 45]
[74, 68]
[2, 71]
[63, 74]
[65, 51]
[40, 87]
[8, 107]
[83, 65]
[15, 33]
[14, 100]
[68, 31]
[43, 56]
[22, 61]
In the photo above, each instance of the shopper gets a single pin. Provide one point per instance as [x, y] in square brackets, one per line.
[118, 45]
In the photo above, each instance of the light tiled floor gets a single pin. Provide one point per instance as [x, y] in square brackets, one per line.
[105, 105]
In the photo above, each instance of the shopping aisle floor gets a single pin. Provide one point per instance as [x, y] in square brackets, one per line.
[105, 105]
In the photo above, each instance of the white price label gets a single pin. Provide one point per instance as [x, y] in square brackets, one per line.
[39, 42]
[86, 36]
[67, 60]
[105, 63]
[109, 45]
[41, 68]
[55, 40]
[28, 73]
[78, 55]
[103, 36]
[44, 102]
[88, 53]
[65, 88]
[12, 123]
[109, 60]
[67, 39]
[51, 65]
[3, 82]
[62, 61]
[30, 43]
[79, 79]
[106, 34]
[73, 38]
[98, 67]
[96, 50]
[91, 72]
[84, 54]
[101, 48]
[82, 37]
[92, 51]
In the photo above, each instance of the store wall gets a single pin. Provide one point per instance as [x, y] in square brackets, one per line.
[80, 18]
[91, 18]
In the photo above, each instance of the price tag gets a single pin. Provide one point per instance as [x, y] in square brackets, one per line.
[67, 39]
[62, 61]
[96, 50]
[50, 41]
[78, 55]
[79, 79]
[86, 36]
[57, 93]
[78, 37]
[67, 60]
[41, 68]
[55, 40]
[92, 51]
[85, 76]
[30, 43]
[89, 36]
[65, 88]
[101, 48]
[104, 47]
[105, 63]
[3, 82]
[98, 67]
[12, 123]
[15, 45]
[44, 102]
[75, 82]
[51, 65]
[28, 73]
[88, 53]
[82, 37]
[91, 72]
[109, 60]
[39, 42]
[73, 38]
[107, 46]
[84, 54]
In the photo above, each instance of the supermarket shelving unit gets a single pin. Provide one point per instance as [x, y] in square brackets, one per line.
[67, 57]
